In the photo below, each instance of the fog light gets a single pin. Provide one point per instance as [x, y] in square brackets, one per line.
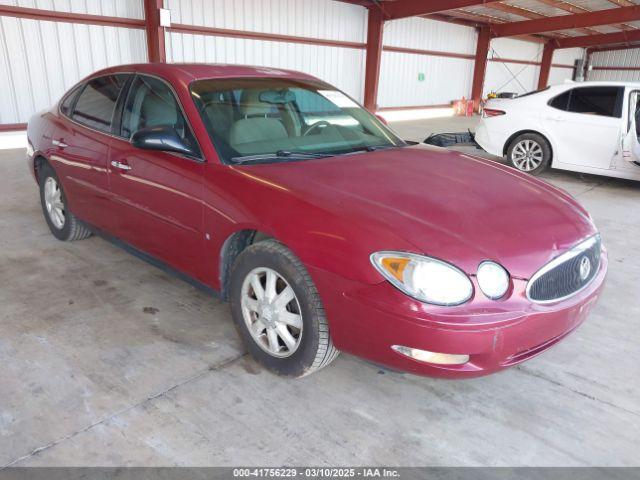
[431, 357]
[493, 280]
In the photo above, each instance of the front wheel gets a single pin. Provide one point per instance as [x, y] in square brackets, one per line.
[278, 312]
[529, 153]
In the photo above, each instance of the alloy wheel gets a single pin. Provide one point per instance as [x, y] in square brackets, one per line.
[527, 155]
[53, 202]
[271, 312]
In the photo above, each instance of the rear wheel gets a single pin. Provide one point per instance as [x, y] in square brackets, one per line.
[277, 310]
[63, 224]
[529, 153]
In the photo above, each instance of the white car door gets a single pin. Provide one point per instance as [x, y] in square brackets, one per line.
[587, 125]
[630, 144]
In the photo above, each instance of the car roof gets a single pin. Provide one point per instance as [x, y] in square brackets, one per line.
[188, 72]
[595, 83]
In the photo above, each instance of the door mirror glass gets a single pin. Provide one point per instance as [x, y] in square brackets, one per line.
[163, 138]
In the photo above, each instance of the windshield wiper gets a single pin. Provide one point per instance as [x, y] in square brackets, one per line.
[279, 155]
[371, 148]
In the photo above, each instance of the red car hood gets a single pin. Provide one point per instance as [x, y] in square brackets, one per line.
[453, 206]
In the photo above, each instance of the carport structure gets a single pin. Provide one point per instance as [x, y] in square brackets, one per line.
[590, 24]
[595, 25]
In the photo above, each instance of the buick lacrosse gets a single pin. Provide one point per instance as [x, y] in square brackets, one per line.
[323, 229]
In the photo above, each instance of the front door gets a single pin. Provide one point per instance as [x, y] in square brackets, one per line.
[587, 124]
[157, 195]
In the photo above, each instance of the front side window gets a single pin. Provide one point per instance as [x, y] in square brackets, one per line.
[96, 103]
[595, 101]
[151, 103]
[602, 101]
[274, 119]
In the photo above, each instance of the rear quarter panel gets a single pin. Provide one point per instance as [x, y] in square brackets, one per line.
[523, 115]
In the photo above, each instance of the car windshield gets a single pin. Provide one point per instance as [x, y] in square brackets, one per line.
[273, 119]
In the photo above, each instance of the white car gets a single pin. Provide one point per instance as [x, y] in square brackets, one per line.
[588, 127]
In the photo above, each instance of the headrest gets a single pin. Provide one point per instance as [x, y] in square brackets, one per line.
[250, 104]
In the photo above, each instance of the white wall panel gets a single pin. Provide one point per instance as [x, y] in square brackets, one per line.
[565, 56]
[510, 77]
[327, 19]
[342, 67]
[40, 60]
[616, 58]
[559, 75]
[445, 79]
[430, 35]
[515, 49]
[110, 8]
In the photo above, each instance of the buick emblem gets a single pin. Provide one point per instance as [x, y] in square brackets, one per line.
[585, 268]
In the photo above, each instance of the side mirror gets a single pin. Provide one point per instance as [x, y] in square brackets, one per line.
[163, 138]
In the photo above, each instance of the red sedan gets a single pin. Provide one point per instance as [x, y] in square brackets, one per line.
[324, 230]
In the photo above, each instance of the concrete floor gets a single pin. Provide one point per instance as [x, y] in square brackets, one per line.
[106, 360]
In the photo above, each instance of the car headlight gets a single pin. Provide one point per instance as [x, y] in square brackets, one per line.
[424, 278]
[493, 279]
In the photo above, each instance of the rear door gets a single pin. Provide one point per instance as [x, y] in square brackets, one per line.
[631, 144]
[80, 147]
[587, 125]
[157, 195]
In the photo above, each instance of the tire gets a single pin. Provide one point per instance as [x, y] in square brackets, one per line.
[63, 224]
[538, 149]
[268, 316]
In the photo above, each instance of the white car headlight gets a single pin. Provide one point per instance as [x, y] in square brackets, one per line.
[424, 278]
[493, 280]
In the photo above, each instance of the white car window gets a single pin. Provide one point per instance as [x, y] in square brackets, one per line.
[602, 100]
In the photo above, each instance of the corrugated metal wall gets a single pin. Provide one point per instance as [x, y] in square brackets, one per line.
[512, 77]
[616, 58]
[566, 56]
[325, 19]
[110, 8]
[414, 80]
[40, 60]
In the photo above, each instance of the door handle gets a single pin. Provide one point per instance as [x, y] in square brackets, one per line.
[121, 166]
[59, 143]
[555, 119]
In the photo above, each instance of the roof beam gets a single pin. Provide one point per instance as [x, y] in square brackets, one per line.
[564, 22]
[597, 40]
[530, 14]
[569, 7]
[414, 8]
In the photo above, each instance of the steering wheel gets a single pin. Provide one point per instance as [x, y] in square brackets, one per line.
[320, 124]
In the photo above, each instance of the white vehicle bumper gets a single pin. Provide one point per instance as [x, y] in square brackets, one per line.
[491, 142]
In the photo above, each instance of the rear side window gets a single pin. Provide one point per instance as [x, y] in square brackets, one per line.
[67, 102]
[561, 102]
[602, 101]
[95, 105]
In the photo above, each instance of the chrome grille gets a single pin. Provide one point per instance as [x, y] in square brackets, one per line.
[566, 274]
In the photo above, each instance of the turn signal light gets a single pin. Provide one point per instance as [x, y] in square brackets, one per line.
[395, 266]
[431, 357]
[492, 112]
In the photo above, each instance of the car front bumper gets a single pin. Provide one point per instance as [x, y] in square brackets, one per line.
[367, 320]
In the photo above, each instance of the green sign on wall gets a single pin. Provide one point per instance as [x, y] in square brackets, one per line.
[421, 77]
